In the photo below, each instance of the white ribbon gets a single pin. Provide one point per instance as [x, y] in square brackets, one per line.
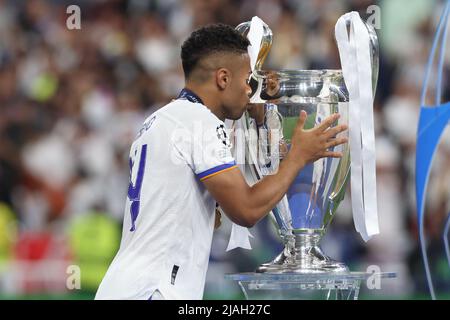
[255, 35]
[354, 51]
[239, 237]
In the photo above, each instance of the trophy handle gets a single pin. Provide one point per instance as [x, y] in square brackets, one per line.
[279, 214]
[374, 55]
[266, 41]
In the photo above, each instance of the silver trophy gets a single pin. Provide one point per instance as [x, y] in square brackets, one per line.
[306, 211]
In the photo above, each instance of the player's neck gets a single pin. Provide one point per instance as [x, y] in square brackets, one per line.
[208, 98]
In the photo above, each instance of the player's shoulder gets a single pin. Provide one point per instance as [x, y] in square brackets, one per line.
[181, 114]
[186, 113]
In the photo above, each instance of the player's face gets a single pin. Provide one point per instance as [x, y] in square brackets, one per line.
[236, 97]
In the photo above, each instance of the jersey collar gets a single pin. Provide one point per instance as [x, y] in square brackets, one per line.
[190, 96]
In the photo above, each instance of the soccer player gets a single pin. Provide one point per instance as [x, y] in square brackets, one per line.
[181, 165]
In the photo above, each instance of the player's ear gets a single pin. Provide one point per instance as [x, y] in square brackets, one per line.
[223, 78]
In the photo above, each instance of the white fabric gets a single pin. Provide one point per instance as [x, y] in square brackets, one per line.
[255, 35]
[239, 237]
[176, 218]
[354, 51]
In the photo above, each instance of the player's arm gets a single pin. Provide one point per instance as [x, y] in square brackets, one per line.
[246, 205]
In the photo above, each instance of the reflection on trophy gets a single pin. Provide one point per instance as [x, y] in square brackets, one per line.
[308, 208]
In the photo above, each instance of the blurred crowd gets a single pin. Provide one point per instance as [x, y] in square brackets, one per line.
[72, 101]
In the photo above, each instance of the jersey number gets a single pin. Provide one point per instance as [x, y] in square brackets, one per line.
[134, 190]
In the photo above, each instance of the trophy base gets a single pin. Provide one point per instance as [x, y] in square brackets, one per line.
[305, 286]
[303, 255]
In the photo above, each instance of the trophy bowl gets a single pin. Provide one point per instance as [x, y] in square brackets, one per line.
[319, 187]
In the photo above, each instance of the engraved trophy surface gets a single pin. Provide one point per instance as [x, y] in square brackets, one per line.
[308, 208]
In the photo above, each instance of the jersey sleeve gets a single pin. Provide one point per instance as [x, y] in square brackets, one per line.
[212, 151]
[201, 141]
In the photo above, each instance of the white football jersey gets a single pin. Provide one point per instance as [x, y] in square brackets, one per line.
[169, 214]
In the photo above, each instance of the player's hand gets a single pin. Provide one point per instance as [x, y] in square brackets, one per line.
[312, 144]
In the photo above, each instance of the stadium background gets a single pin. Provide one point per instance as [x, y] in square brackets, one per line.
[71, 102]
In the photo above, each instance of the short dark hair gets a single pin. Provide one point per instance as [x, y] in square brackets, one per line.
[210, 39]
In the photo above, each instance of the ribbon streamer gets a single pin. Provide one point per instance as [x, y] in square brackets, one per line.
[354, 52]
[239, 237]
